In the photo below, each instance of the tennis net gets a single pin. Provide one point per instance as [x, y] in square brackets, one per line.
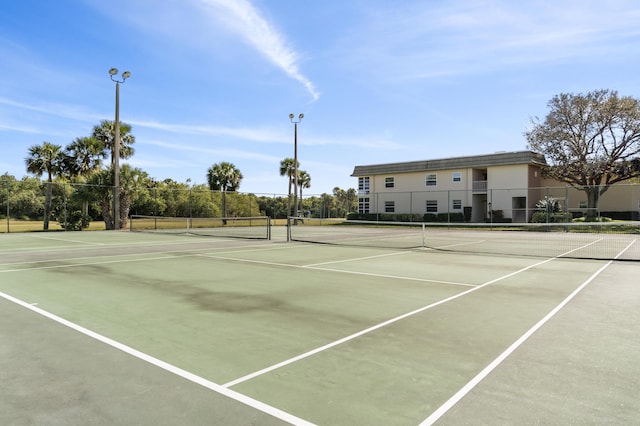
[231, 227]
[593, 240]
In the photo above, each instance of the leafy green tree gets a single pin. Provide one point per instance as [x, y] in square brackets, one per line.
[275, 207]
[591, 141]
[24, 197]
[340, 198]
[48, 159]
[224, 177]
[202, 203]
[328, 203]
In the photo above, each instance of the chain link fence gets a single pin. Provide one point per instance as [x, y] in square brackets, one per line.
[32, 205]
[545, 204]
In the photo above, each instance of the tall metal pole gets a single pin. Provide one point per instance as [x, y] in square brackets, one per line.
[115, 157]
[295, 161]
[116, 163]
[295, 169]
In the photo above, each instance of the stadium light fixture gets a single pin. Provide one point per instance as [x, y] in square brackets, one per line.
[115, 152]
[295, 160]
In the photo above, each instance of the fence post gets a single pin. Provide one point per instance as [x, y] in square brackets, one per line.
[491, 206]
[7, 185]
[64, 206]
[548, 207]
[566, 204]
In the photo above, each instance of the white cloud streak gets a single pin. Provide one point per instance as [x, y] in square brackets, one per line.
[430, 40]
[243, 18]
[231, 153]
[255, 135]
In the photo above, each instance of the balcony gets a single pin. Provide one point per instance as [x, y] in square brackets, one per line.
[480, 186]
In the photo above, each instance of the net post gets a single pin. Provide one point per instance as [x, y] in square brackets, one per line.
[288, 229]
[424, 229]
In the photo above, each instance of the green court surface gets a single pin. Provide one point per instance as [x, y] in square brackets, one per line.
[134, 328]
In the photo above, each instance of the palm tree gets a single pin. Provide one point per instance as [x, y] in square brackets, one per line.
[46, 158]
[304, 181]
[132, 181]
[105, 134]
[84, 158]
[224, 177]
[287, 168]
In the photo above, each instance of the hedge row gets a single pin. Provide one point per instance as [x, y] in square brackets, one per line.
[406, 217]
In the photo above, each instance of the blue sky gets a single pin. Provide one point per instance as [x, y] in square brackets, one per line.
[378, 80]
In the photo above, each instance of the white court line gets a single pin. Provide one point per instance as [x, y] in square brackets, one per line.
[469, 243]
[356, 259]
[444, 408]
[272, 411]
[369, 274]
[74, 259]
[376, 327]
[67, 240]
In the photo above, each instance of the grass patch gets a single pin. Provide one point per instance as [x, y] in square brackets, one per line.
[36, 226]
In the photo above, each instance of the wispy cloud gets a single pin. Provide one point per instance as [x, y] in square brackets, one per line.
[226, 153]
[48, 119]
[256, 135]
[427, 40]
[268, 136]
[243, 18]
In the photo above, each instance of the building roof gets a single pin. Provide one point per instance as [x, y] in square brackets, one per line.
[475, 161]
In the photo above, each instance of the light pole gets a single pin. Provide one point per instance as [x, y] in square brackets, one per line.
[115, 153]
[295, 161]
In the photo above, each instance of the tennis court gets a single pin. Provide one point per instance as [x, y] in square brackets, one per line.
[155, 328]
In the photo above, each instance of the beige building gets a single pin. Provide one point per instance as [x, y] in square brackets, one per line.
[483, 187]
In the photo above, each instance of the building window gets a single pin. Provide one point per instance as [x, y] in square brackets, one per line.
[389, 206]
[456, 204]
[432, 206]
[389, 182]
[363, 205]
[457, 176]
[431, 179]
[363, 185]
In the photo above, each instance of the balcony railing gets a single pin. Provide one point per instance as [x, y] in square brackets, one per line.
[480, 186]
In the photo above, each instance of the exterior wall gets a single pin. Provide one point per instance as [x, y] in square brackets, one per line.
[504, 183]
[410, 192]
[487, 186]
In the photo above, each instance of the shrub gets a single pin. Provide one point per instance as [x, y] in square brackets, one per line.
[549, 204]
[541, 217]
[430, 217]
[76, 221]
